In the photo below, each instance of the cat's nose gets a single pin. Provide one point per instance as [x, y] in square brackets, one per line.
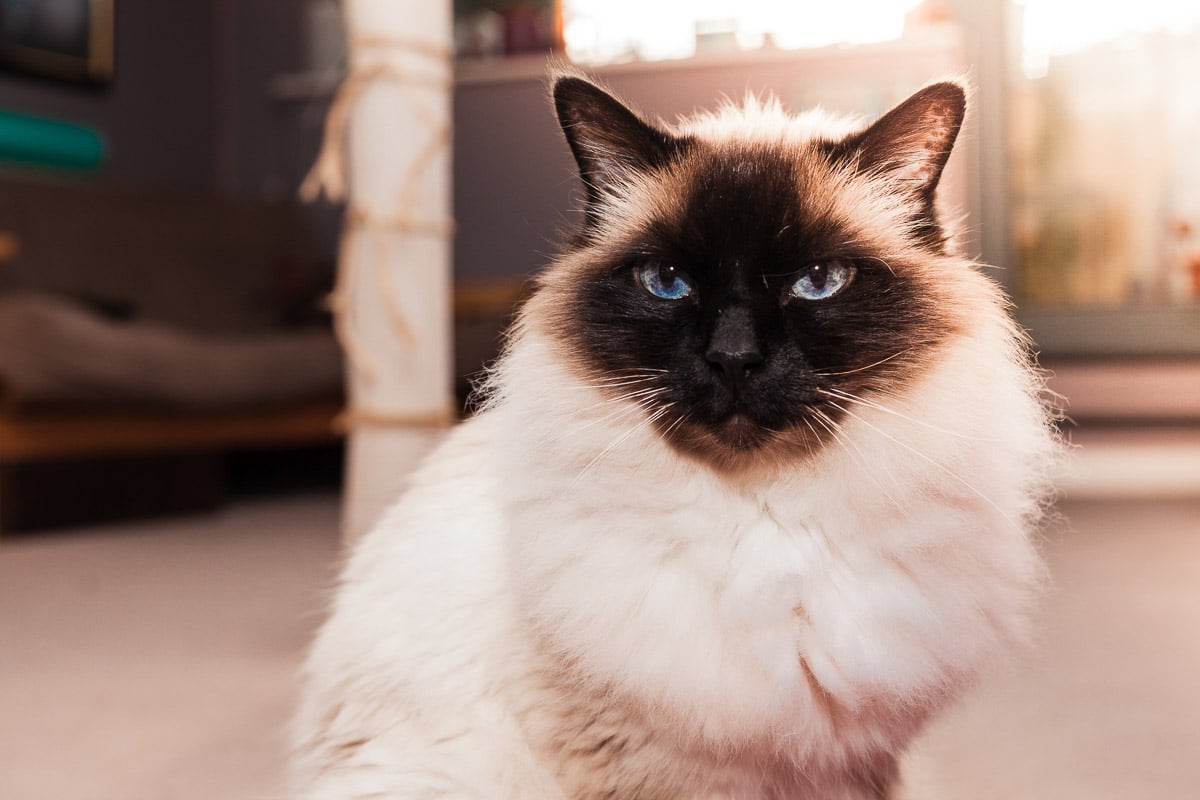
[734, 365]
[734, 347]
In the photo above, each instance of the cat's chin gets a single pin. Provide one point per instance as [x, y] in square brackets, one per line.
[740, 432]
[736, 443]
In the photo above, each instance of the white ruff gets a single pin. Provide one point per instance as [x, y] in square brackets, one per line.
[807, 618]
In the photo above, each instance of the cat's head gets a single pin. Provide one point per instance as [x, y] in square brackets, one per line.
[741, 275]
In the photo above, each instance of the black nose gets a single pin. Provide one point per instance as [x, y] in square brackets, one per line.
[734, 347]
[734, 365]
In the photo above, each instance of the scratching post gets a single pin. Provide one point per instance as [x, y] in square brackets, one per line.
[387, 155]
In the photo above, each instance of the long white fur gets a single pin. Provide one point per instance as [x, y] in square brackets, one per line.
[810, 616]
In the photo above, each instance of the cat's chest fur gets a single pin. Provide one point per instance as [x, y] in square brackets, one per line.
[675, 598]
[801, 620]
[562, 606]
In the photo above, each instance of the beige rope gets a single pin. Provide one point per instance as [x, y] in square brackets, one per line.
[435, 50]
[328, 173]
[340, 307]
[362, 417]
[328, 176]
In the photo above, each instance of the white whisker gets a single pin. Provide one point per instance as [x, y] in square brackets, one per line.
[635, 397]
[853, 398]
[808, 446]
[930, 461]
[619, 441]
[677, 423]
[617, 381]
[868, 366]
[856, 456]
[620, 409]
[880, 260]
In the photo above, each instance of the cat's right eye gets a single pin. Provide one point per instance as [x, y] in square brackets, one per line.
[664, 281]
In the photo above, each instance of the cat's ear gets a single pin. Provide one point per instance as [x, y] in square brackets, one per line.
[612, 145]
[909, 145]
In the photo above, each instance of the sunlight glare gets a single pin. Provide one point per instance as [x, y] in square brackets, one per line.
[615, 30]
[1057, 27]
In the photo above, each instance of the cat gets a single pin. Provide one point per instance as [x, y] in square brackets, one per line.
[751, 495]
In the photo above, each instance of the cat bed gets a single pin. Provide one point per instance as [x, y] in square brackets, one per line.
[55, 350]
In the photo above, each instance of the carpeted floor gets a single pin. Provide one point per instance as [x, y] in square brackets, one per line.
[155, 661]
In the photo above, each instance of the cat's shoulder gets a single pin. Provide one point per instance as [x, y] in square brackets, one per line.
[449, 506]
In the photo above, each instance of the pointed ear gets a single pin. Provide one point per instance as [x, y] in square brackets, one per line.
[612, 145]
[911, 143]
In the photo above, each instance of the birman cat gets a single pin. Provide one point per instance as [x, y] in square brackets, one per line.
[750, 496]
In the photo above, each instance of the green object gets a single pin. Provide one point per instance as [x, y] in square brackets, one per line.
[48, 142]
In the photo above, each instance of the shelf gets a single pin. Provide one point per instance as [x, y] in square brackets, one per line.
[300, 87]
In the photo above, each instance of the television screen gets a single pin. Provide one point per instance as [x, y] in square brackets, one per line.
[66, 39]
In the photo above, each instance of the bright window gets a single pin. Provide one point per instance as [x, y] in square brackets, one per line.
[601, 31]
[1106, 168]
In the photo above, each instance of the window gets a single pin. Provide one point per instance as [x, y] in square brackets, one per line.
[605, 31]
[1105, 194]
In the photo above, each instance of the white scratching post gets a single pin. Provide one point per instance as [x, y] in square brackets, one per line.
[387, 155]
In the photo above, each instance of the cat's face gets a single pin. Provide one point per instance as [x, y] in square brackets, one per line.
[748, 288]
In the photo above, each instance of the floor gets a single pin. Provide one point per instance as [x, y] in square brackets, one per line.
[1107, 706]
[156, 661]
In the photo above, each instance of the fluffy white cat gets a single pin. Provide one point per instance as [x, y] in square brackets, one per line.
[750, 498]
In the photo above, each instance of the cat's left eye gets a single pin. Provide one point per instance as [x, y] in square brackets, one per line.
[822, 280]
[664, 281]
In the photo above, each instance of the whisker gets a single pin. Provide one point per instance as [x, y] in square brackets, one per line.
[868, 366]
[880, 260]
[929, 460]
[808, 445]
[620, 409]
[847, 396]
[618, 442]
[617, 381]
[677, 423]
[637, 395]
[857, 455]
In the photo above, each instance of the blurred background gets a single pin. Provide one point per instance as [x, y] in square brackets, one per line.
[179, 418]
[156, 260]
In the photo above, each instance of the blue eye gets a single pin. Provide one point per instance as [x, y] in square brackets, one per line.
[822, 280]
[664, 281]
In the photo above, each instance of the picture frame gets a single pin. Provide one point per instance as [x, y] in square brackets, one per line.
[67, 40]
